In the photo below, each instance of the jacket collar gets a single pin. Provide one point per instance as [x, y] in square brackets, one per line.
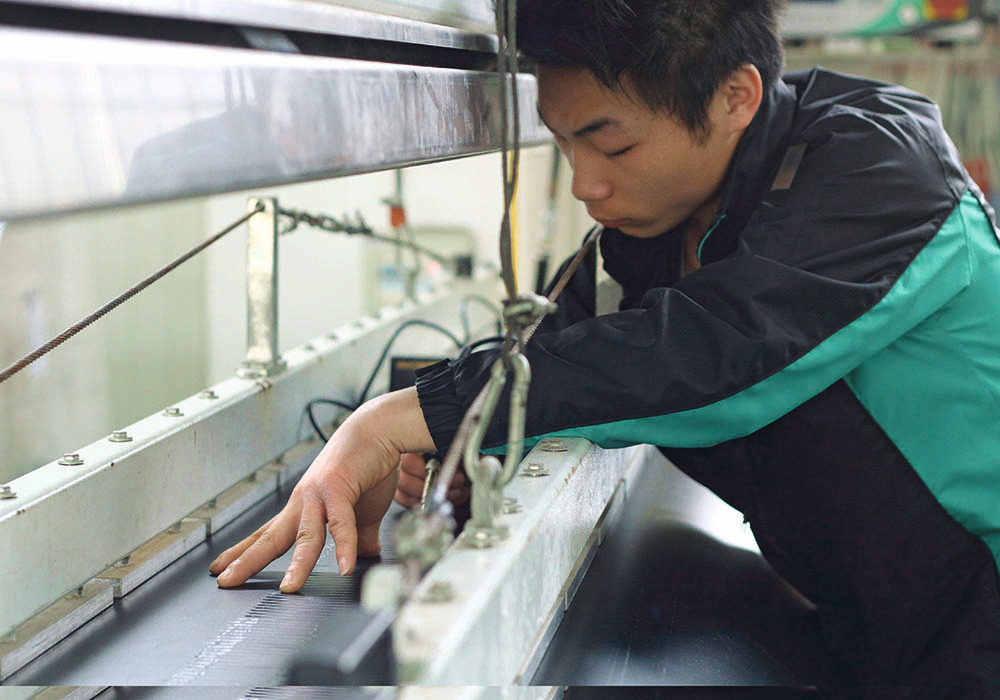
[752, 171]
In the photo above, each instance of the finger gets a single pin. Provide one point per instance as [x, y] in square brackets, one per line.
[343, 528]
[369, 544]
[227, 557]
[309, 542]
[411, 485]
[405, 499]
[370, 509]
[413, 464]
[273, 541]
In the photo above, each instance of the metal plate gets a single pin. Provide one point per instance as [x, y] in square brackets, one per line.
[92, 121]
[503, 596]
[319, 17]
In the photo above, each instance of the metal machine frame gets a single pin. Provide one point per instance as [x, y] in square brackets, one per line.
[172, 478]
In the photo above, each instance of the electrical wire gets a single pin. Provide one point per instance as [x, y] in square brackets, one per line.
[374, 373]
[331, 402]
[463, 313]
[392, 339]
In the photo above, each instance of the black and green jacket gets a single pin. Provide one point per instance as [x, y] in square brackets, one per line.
[832, 370]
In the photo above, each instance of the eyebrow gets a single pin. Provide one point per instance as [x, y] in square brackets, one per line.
[596, 125]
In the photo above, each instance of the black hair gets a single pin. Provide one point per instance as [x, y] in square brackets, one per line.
[672, 54]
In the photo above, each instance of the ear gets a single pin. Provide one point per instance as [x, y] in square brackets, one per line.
[742, 93]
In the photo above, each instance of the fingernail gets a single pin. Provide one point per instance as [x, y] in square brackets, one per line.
[342, 565]
[286, 583]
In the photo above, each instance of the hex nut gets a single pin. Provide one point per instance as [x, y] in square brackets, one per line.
[534, 469]
[7, 493]
[553, 445]
[439, 592]
[71, 459]
[173, 412]
[120, 436]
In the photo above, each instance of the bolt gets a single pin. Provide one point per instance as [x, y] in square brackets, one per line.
[534, 469]
[511, 506]
[332, 336]
[173, 412]
[7, 493]
[120, 436]
[479, 537]
[309, 347]
[554, 446]
[439, 592]
[208, 394]
[71, 459]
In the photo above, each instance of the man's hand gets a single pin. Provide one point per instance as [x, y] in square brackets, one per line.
[413, 472]
[347, 489]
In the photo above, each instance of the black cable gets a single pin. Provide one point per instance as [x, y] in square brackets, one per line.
[463, 313]
[331, 402]
[392, 339]
[378, 365]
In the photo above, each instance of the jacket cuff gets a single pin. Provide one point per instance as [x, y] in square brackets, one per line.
[439, 402]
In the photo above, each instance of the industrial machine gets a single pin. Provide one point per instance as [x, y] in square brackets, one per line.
[104, 589]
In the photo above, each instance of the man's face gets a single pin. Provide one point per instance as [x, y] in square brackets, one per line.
[636, 169]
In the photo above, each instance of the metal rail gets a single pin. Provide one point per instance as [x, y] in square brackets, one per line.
[176, 461]
[93, 121]
[291, 15]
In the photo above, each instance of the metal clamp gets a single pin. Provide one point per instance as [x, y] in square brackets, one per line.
[521, 315]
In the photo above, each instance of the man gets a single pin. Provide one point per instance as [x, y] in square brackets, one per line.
[808, 326]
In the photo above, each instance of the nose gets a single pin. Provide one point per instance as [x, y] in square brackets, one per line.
[590, 183]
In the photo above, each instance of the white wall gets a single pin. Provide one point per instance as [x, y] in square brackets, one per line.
[189, 330]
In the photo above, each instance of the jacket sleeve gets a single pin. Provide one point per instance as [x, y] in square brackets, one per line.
[859, 250]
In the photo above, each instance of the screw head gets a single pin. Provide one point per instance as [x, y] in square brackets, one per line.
[553, 445]
[534, 469]
[7, 493]
[208, 394]
[120, 436]
[309, 347]
[173, 412]
[71, 459]
[439, 592]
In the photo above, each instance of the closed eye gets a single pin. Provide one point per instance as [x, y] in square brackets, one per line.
[620, 152]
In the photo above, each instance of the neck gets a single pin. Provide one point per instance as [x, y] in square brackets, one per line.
[697, 226]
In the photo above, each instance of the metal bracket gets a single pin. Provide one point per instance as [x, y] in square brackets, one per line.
[262, 359]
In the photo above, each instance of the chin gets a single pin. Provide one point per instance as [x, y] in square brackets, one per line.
[638, 231]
